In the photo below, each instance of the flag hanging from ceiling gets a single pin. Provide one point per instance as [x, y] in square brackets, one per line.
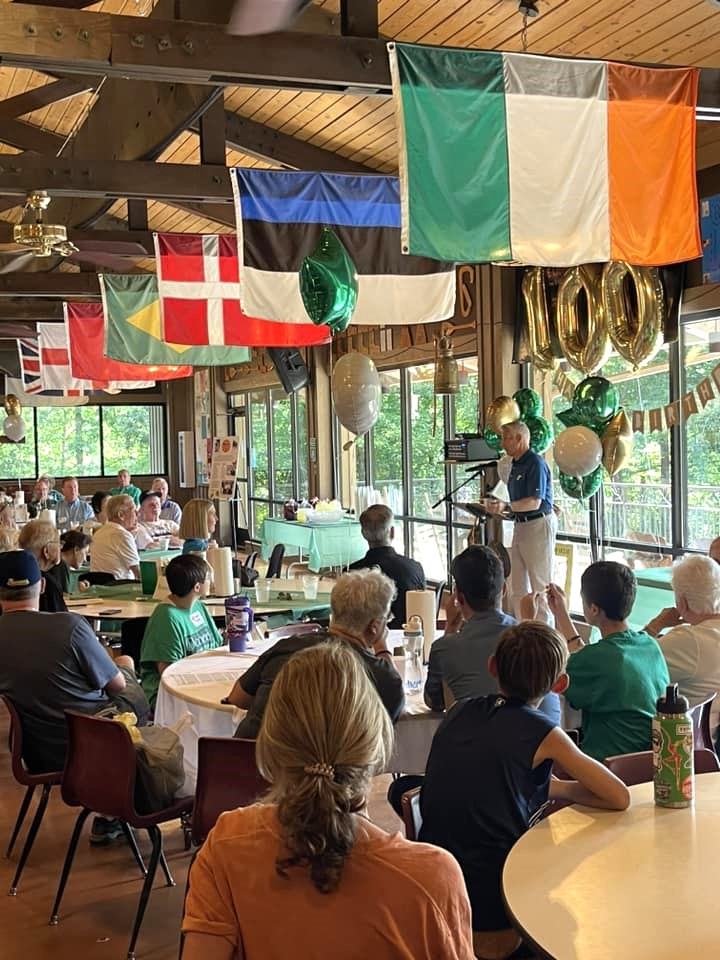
[55, 369]
[280, 216]
[52, 398]
[86, 334]
[200, 297]
[545, 161]
[31, 374]
[133, 327]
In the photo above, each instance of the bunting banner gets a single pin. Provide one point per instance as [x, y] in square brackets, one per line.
[280, 218]
[200, 297]
[86, 336]
[55, 370]
[133, 328]
[543, 160]
[658, 418]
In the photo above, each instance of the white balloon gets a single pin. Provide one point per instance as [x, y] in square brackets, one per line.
[504, 466]
[14, 428]
[577, 451]
[356, 392]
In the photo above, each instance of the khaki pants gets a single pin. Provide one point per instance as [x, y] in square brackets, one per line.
[532, 556]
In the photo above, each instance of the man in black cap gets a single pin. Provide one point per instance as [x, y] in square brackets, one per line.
[52, 662]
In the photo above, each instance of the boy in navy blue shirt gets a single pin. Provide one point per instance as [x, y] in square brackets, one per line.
[489, 772]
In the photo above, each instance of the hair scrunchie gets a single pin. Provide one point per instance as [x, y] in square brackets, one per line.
[320, 770]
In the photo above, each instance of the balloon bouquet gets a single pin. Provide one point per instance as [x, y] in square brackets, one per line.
[524, 405]
[598, 435]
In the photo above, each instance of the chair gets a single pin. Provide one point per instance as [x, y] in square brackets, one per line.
[100, 775]
[227, 777]
[700, 714]
[412, 818]
[97, 578]
[274, 568]
[250, 560]
[30, 781]
[635, 768]
[292, 630]
[131, 636]
[438, 586]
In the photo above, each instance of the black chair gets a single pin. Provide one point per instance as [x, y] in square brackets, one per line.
[131, 636]
[438, 586]
[250, 560]
[274, 568]
[97, 578]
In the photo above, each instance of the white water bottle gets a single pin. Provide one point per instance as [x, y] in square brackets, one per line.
[413, 644]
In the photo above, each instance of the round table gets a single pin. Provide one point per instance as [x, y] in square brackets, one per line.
[589, 884]
[198, 683]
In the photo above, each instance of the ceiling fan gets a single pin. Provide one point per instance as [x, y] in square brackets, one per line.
[41, 240]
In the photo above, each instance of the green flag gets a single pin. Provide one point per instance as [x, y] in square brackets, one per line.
[133, 327]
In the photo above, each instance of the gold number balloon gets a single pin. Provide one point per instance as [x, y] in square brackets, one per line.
[635, 328]
[585, 350]
[539, 346]
[617, 443]
[501, 410]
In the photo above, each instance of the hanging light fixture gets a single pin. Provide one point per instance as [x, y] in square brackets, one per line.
[446, 368]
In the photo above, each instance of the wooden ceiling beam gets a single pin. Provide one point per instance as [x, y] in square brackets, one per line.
[28, 311]
[27, 136]
[65, 4]
[359, 18]
[53, 286]
[40, 97]
[261, 141]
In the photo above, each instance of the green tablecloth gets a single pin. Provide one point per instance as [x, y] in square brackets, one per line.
[325, 545]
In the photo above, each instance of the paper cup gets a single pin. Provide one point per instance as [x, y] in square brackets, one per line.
[310, 587]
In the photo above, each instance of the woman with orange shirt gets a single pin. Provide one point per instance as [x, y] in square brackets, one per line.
[306, 874]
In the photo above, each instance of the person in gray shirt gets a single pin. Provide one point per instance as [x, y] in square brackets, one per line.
[458, 663]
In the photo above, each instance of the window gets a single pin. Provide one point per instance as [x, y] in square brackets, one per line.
[88, 441]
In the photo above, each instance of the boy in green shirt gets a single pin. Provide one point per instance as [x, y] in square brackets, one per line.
[180, 627]
[617, 681]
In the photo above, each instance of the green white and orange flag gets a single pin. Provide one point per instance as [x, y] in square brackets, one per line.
[546, 161]
[133, 328]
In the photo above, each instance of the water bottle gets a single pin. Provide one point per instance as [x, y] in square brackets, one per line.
[413, 645]
[672, 741]
[239, 622]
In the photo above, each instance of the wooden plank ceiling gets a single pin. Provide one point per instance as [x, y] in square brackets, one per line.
[362, 129]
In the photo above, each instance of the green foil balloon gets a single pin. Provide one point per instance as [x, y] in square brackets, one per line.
[530, 403]
[493, 439]
[541, 433]
[580, 488]
[329, 283]
[596, 400]
[569, 418]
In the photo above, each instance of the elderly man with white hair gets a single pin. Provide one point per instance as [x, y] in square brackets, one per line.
[113, 548]
[532, 553]
[692, 647]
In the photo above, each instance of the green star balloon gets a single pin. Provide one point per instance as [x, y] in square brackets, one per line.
[329, 283]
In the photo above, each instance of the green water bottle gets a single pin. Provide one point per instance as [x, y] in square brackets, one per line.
[672, 740]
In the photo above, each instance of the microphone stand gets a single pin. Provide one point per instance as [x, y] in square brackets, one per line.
[475, 472]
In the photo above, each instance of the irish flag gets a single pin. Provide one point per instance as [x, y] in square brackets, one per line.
[540, 160]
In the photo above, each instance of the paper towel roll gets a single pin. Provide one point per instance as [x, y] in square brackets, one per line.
[220, 560]
[421, 603]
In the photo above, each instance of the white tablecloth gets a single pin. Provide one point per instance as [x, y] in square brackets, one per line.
[198, 683]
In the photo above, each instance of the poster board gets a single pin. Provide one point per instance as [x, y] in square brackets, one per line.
[224, 468]
[203, 433]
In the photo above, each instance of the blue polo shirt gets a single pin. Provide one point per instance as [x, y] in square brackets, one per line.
[530, 477]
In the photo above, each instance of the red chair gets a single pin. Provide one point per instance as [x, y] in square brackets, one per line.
[635, 768]
[100, 776]
[412, 818]
[30, 781]
[700, 714]
[227, 777]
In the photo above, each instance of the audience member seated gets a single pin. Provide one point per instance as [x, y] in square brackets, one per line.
[197, 526]
[489, 773]
[150, 524]
[74, 546]
[43, 496]
[54, 662]
[458, 665]
[617, 681]
[8, 527]
[360, 610]
[98, 502]
[113, 547]
[692, 647]
[326, 882]
[42, 540]
[169, 509]
[376, 525]
[714, 550]
[180, 627]
[126, 487]
[71, 510]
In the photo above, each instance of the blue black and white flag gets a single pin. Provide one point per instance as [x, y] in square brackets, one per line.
[280, 215]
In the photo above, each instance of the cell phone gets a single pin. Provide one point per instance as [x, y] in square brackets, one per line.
[109, 612]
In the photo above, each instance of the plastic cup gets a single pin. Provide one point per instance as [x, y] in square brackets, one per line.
[164, 543]
[310, 587]
[262, 590]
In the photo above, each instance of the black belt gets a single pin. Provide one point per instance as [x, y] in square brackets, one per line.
[533, 515]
